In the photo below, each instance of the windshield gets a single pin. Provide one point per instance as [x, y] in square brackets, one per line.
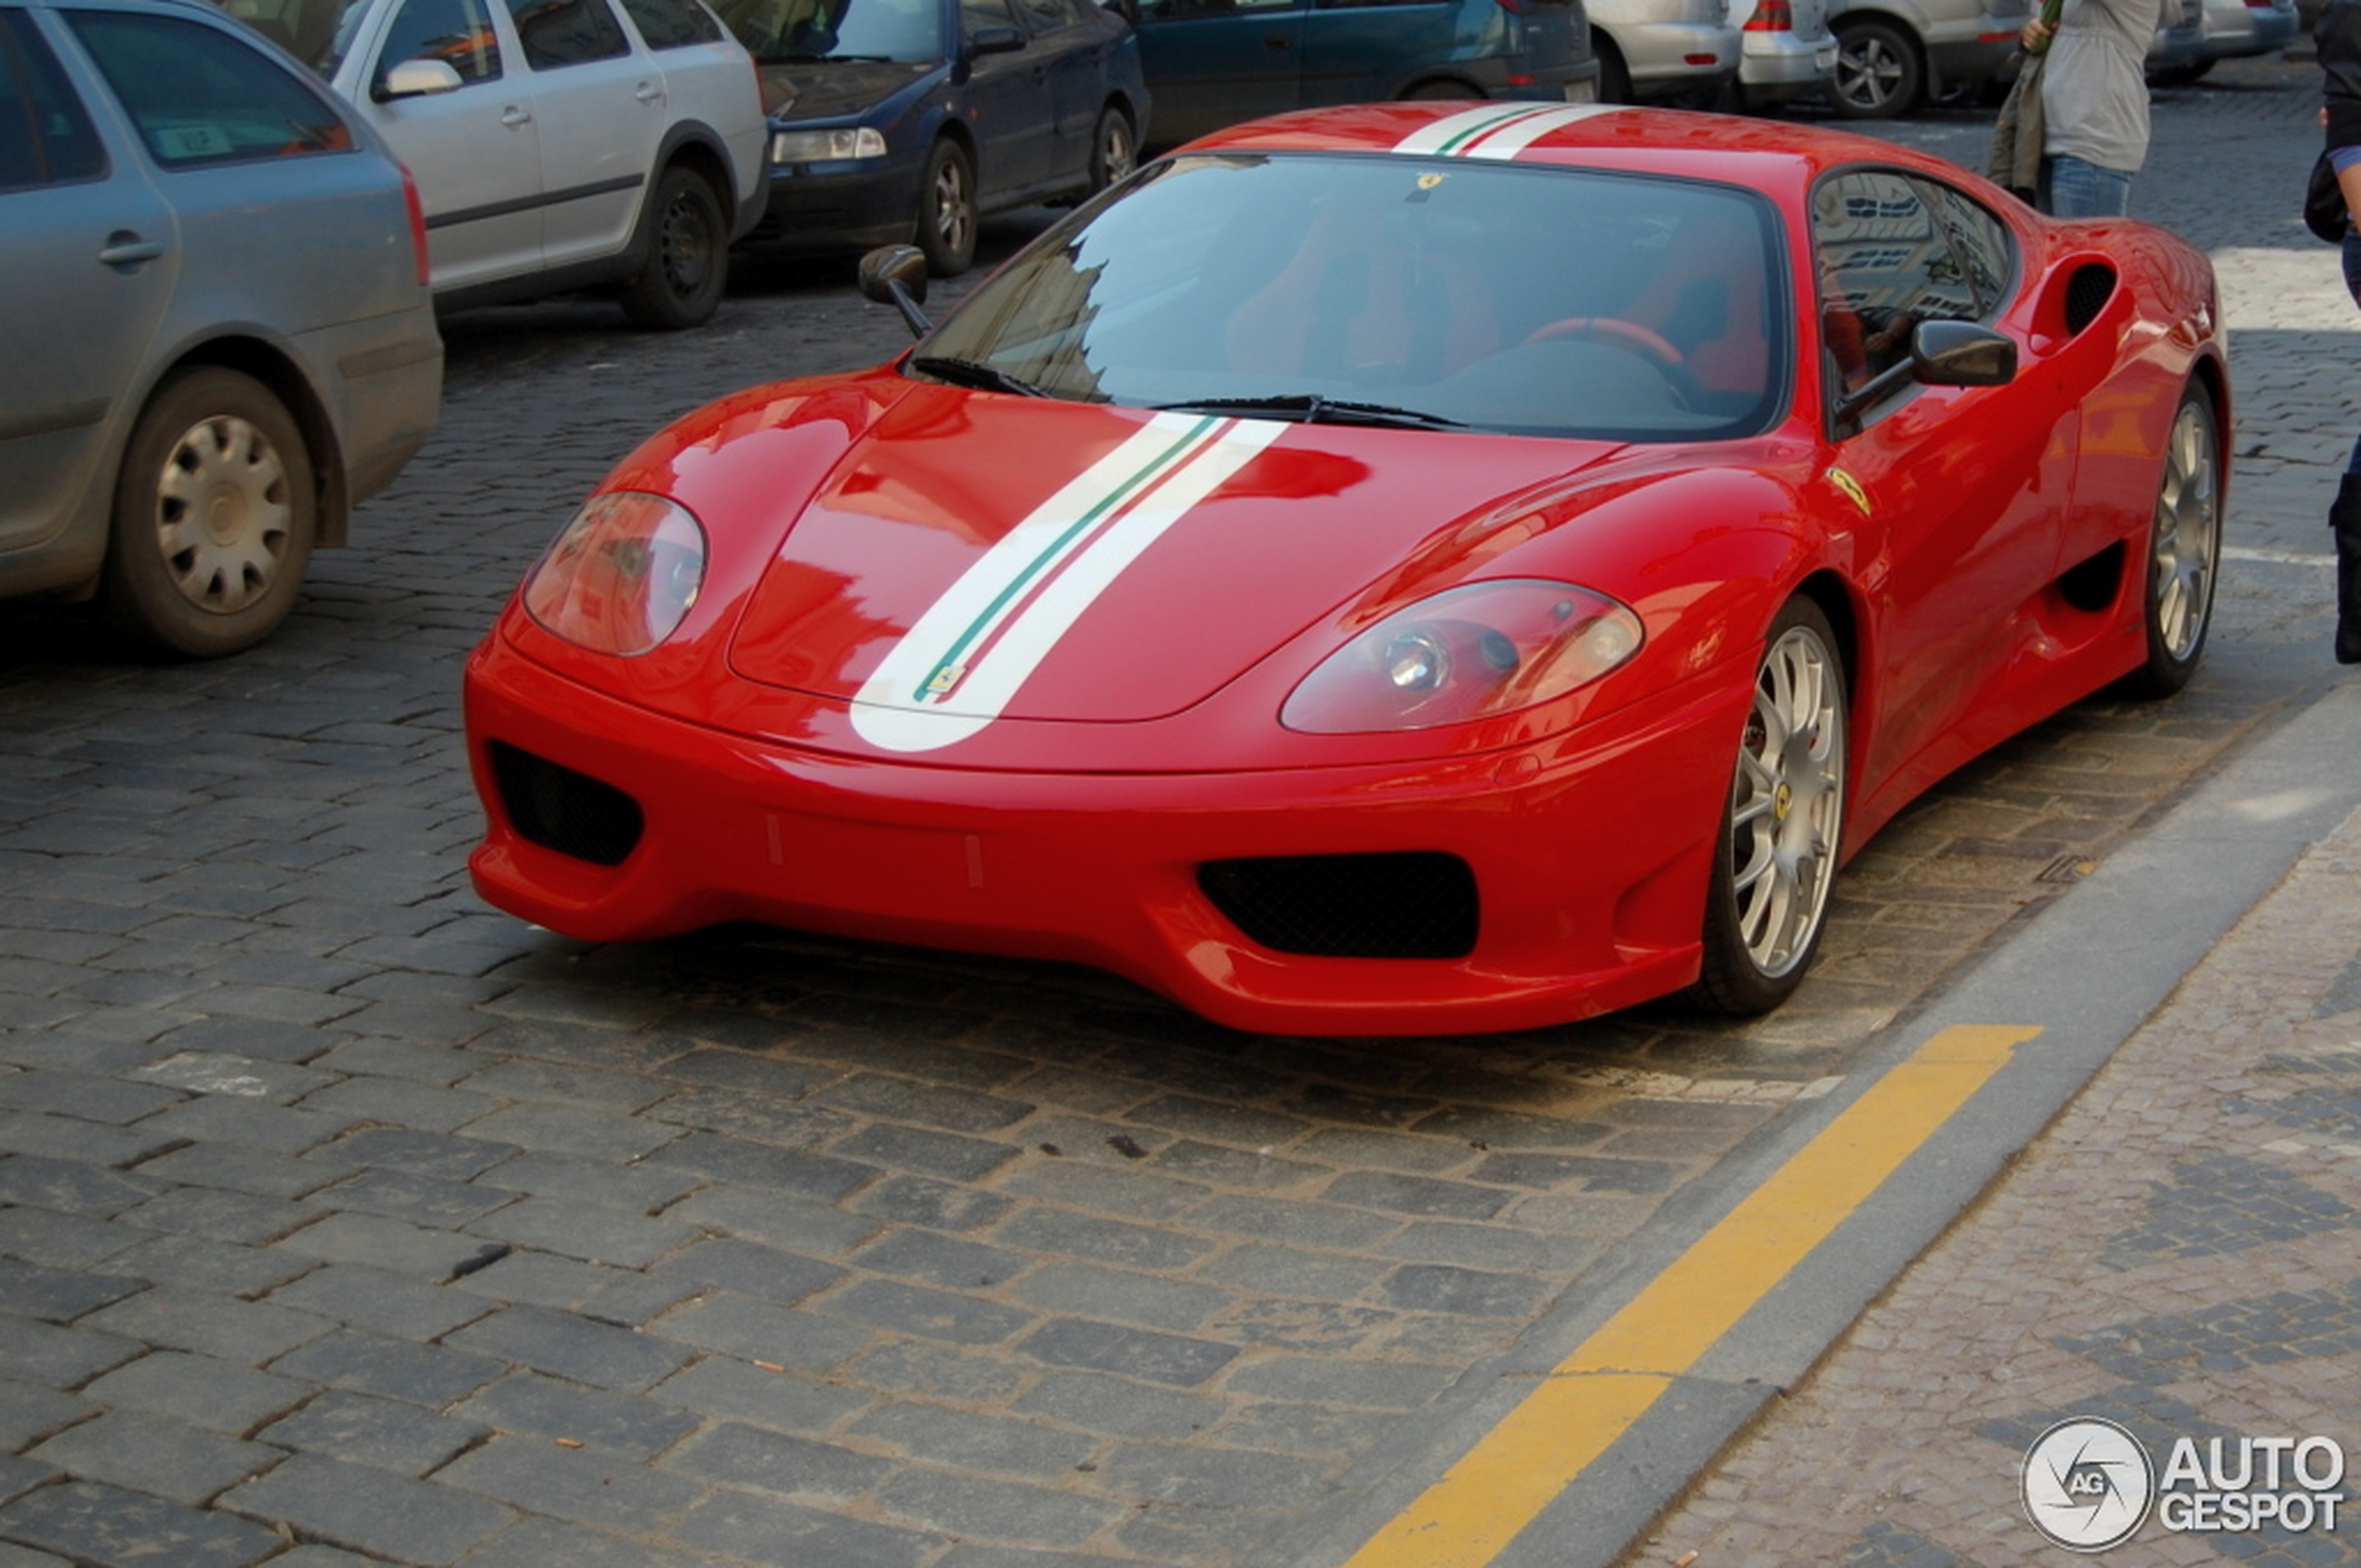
[782, 32]
[1391, 289]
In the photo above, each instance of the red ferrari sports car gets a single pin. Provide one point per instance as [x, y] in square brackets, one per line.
[1400, 569]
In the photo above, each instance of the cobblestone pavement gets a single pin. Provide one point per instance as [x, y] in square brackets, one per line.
[344, 1220]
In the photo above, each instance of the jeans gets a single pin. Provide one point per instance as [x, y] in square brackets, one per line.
[2072, 187]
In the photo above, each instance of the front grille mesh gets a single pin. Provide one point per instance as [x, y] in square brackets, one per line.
[1412, 903]
[561, 810]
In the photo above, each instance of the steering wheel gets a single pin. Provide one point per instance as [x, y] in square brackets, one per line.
[1632, 338]
[1640, 340]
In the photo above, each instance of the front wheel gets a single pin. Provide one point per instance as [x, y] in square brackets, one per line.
[2185, 548]
[948, 218]
[1785, 822]
[680, 285]
[1114, 149]
[215, 513]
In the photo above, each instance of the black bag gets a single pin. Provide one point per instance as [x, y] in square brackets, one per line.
[2323, 211]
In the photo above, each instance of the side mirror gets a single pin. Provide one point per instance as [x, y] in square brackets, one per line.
[995, 41]
[896, 275]
[418, 78]
[1962, 354]
[1941, 354]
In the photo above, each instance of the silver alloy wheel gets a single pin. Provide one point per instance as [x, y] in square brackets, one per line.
[1117, 156]
[1787, 803]
[1868, 73]
[953, 216]
[224, 511]
[2186, 540]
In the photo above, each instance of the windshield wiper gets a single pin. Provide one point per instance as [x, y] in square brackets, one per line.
[1313, 409]
[975, 372]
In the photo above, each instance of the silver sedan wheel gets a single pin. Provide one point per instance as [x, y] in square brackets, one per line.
[224, 514]
[1787, 803]
[2187, 537]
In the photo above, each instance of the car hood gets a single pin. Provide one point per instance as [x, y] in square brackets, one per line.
[975, 557]
[834, 89]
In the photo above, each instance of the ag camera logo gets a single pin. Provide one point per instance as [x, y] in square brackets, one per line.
[2088, 1484]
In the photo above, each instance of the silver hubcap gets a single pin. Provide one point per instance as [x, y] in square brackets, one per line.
[1786, 804]
[2188, 534]
[223, 514]
[1117, 153]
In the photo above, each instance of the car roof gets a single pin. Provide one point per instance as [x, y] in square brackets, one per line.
[1766, 154]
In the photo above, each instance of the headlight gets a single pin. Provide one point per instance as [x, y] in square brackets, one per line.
[622, 575]
[826, 147]
[1470, 653]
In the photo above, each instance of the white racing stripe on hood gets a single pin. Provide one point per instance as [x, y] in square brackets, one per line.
[1496, 130]
[956, 669]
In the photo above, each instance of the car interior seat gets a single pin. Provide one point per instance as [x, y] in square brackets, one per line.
[1710, 300]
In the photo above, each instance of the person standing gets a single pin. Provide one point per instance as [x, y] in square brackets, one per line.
[2338, 38]
[2094, 104]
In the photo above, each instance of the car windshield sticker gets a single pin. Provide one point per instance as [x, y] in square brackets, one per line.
[1496, 130]
[959, 667]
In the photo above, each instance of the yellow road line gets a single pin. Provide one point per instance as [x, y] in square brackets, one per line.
[1588, 1399]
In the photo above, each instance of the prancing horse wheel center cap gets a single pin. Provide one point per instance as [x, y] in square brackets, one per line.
[1782, 802]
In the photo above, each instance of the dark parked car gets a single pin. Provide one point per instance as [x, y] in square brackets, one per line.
[912, 120]
[1213, 63]
[218, 332]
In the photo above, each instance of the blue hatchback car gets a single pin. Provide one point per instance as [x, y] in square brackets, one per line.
[1213, 63]
[911, 120]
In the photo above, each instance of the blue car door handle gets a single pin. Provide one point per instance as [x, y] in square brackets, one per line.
[124, 248]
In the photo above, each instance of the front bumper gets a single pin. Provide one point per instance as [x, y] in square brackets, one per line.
[841, 206]
[1589, 855]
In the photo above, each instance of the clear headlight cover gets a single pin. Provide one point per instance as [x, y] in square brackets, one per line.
[622, 576]
[826, 147]
[1470, 653]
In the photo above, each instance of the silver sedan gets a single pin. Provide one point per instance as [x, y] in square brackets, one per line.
[219, 334]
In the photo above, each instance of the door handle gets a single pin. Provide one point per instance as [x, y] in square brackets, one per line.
[516, 114]
[648, 92]
[124, 248]
[1278, 42]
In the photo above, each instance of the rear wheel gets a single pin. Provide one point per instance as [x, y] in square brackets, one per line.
[1877, 74]
[1780, 832]
[680, 285]
[948, 218]
[215, 513]
[2185, 548]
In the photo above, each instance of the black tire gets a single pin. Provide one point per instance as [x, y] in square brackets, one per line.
[1878, 74]
[1447, 90]
[688, 265]
[1775, 854]
[216, 510]
[2184, 549]
[948, 217]
[1614, 77]
[1114, 149]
